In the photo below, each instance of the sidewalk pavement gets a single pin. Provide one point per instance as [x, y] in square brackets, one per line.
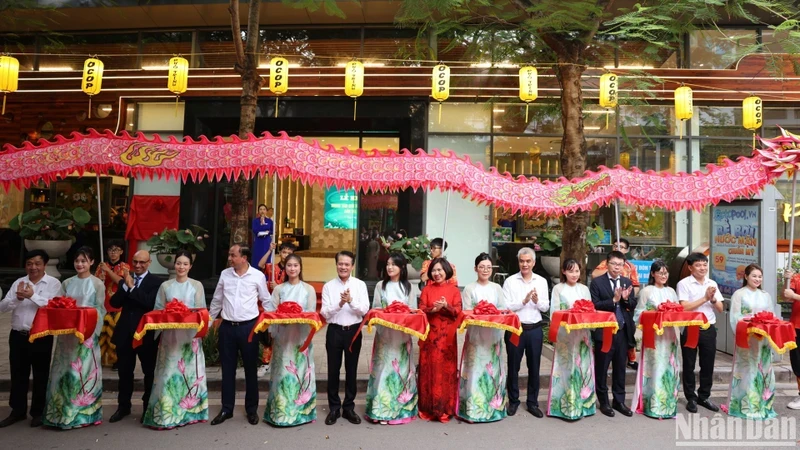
[722, 370]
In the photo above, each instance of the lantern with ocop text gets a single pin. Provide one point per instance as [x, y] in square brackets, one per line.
[354, 82]
[92, 80]
[528, 86]
[178, 78]
[440, 85]
[278, 78]
[683, 106]
[9, 77]
[752, 115]
[609, 92]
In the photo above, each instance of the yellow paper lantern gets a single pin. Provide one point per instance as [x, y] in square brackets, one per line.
[178, 78]
[625, 160]
[278, 78]
[608, 90]
[9, 77]
[752, 115]
[92, 80]
[440, 85]
[354, 82]
[528, 86]
[683, 105]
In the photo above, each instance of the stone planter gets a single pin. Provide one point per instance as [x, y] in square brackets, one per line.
[54, 249]
[551, 264]
[413, 274]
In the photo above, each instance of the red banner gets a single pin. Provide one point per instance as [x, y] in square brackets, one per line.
[50, 321]
[503, 320]
[581, 316]
[654, 322]
[192, 319]
[780, 333]
[265, 319]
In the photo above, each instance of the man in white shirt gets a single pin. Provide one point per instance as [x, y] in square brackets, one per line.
[345, 302]
[24, 299]
[236, 298]
[527, 296]
[698, 293]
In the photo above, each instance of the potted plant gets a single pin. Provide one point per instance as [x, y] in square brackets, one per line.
[165, 244]
[416, 250]
[50, 229]
[548, 244]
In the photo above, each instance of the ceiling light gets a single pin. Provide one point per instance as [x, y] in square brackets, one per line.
[499, 65]
[599, 111]
[291, 65]
[155, 67]
[497, 127]
[591, 128]
[498, 110]
[55, 69]
[630, 67]
[366, 64]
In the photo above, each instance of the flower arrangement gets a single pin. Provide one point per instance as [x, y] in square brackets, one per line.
[50, 224]
[416, 250]
[170, 241]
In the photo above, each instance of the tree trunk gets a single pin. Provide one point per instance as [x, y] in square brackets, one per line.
[247, 66]
[573, 153]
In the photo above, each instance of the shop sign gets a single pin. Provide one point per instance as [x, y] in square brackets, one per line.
[735, 232]
[341, 209]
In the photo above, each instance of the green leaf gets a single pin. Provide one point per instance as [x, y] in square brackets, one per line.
[162, 412]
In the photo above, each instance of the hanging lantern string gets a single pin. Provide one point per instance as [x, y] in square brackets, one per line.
[276, 106]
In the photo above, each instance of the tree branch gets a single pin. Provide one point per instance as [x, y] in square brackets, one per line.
[253, 36]
[236, 29]
[587, 36]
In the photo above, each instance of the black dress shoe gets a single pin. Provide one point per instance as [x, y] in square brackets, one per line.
[624, 410]
[691, 406]
[253, 419]
[12, 419]
[351, 416]
[36, 422]
[605, 409]
[221, 417]
[512, 408]
[708, 404]
[633, 365]
[332, 416]
[536, 412]
[119, 415]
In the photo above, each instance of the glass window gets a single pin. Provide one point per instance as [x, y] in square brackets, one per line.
[216, 48]
[543, 118]
[648, 120]
[637, 54]
[117, 51]
[779, 42]
[392, 46]
[715, 150]
[648, 154]
[164, 44]
[19, 44]
[312, 47]
[460, 118]
[541, 156]
[788, 118]
[718, 49]
[721, 121]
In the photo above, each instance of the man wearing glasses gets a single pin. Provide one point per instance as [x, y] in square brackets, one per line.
[612, 292]
[135, 296]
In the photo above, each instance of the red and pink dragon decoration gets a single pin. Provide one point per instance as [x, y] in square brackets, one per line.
[138, 156]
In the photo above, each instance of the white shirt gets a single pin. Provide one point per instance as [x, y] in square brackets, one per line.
[24, 311]
[236, 297]
[351, 313]
[516, 288]
[689, 289]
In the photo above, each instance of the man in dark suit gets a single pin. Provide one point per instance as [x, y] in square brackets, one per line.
[612, 292]
[136, 295]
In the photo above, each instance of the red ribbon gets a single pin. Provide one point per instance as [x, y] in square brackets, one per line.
[176, 306]
[781, 334]
[670, 307]
[485, 308]
[764, 318]
[397, 307]
[289, 307]
[62, 302]
[583, 306]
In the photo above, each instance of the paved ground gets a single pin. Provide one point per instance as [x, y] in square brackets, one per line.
[519, 432]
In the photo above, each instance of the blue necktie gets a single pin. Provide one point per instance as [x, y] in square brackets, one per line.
[618, 309]
[136, 281]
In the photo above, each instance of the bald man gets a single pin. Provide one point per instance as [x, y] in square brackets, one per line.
[136, 295]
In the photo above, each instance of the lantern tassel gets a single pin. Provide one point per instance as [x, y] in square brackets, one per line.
[4, 105]
[527, 108]
[355, 106]
[90, 107]
[680, 130]
[607, 114]
[177, 98]
[754, 140]
[440, 112]
[276, 106]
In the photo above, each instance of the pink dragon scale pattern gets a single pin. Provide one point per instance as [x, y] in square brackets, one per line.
[138, 156]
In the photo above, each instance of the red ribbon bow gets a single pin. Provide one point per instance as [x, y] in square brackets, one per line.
[397, 307]
[670, 307]
[583, 306]
[289, 308]
[764, 318]
[485, 308]
[63, 303]
[176, 306]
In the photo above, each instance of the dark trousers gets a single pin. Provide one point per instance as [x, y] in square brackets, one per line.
[126, 365]
[794, 354]
[24, 356]
[617, 357]
[337, 342]
[233, 341]
[707, 347]
[530, 343]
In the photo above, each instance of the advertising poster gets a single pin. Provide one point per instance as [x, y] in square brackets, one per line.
[734, 244]
[341, 209]
[642, 270]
